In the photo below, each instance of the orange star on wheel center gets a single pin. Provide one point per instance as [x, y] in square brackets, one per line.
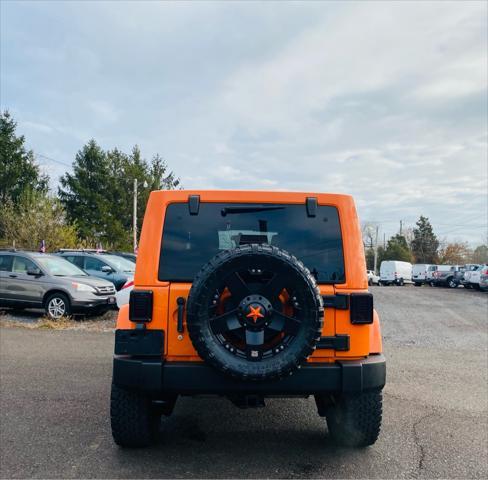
[254, 313]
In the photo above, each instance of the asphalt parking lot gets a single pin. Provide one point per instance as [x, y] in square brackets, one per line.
[54, 408]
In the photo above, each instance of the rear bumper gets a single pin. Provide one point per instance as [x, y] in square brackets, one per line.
[191, 378]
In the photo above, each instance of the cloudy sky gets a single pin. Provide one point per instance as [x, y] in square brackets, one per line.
[386, 101]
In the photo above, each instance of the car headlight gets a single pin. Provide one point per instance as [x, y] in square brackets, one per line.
[83, 287]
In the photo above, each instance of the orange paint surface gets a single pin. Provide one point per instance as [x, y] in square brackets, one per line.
[364, 339]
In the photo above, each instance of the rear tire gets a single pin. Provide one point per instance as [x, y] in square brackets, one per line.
[134, 421]
[355, 420]
[417, 284]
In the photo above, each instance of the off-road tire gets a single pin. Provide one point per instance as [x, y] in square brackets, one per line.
[134, 422]
[355, 420]
[62, 297]
[283, 364]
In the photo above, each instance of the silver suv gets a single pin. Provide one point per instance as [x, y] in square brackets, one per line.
[40, 280]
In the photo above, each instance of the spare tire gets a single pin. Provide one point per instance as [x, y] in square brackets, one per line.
[255, 313]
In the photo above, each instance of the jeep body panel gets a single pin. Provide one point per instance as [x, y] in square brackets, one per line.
[363, 339]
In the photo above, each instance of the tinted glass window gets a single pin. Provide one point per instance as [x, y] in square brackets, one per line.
[59, 266]
[21, 264]
[75, 260]
[92, 263]
[6, 263]
[121, 264]
[189, 241]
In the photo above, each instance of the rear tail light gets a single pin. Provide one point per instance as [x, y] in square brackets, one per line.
[140, 305]
[361, 308]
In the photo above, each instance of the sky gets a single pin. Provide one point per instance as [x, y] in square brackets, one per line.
[385, 101]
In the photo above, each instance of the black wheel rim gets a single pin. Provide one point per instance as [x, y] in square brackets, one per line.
[255, 313]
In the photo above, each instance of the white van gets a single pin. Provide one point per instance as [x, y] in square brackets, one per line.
[420, 273]
[395, 273]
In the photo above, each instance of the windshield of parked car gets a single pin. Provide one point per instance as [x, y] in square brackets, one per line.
[120, 264]
[190, 241]
[59, 267]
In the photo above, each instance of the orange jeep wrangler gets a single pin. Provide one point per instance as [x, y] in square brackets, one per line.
[249, 295]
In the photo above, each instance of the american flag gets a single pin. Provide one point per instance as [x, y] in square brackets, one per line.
[42, 246]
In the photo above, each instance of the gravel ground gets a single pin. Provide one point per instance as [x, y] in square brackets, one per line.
[54, 423]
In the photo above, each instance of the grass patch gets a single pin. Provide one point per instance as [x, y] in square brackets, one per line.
[62, 323]
[102, 323]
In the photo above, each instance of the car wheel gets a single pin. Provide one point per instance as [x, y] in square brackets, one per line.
[417, 284]
[370, 282]
[401, 282]
[451, 283]
[355, 420]
[57, 305]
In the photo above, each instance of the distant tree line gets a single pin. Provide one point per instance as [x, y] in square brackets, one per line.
[93, 204]
[421, 245]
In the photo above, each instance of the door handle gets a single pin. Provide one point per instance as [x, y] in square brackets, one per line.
[181, 309]
[12, 275]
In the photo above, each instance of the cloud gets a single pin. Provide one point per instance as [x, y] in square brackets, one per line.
[386, 101]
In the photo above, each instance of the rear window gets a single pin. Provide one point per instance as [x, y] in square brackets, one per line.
[190, 241]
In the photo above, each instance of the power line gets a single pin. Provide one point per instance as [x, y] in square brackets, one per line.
[53, 159]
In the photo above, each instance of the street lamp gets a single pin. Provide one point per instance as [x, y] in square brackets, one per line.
[134, 224]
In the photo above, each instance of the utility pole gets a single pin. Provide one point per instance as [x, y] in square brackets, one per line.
[401, 225]
[376, 250]
[134, 225]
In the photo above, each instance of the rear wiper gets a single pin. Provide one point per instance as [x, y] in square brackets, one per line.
[230, 210]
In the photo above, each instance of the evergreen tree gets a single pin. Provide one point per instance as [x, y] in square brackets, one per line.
[84, 193]
[424, 243]
[396, 249]
[18, 171]
[98, 195]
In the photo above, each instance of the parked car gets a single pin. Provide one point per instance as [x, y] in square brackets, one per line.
[446, 275]
[102, 265]
[393, 272]
[39, 280]
[123, 295]
[240, 317]
[429, 277]
[127, 255]
[420, 273]
[373, 279]
[484, 279]
[472, 280]
[468, 268]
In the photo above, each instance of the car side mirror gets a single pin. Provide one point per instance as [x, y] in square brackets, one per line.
[107, 269]
[34, 271]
